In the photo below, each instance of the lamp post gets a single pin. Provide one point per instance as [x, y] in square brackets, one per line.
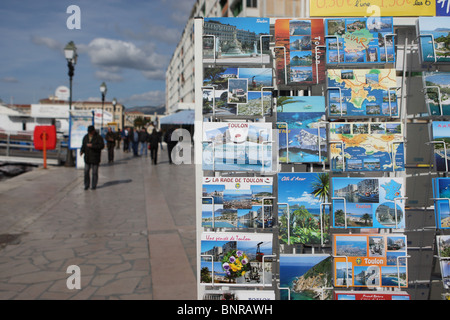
[70, 52]
[103, 90]
[114, 103]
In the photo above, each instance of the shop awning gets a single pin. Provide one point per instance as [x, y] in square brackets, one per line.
[185, 117]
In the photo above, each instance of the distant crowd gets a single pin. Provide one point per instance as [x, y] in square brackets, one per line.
[142, 142]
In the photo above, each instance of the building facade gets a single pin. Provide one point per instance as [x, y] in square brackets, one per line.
[180, 73]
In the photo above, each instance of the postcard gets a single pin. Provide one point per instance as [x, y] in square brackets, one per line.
[437, 92]
[360, 40]
[231, 91]
[364, 260]
[443, 248]
[440, 138]
[239, 295]
[243, 259]
[371, 295]
[434, 35]
[441, 195]
[237, 146]
[364, 146]
[368, 202]
[300, 52]
[236, 40]
[302, 217]
[305, 277]
[362, 93]
[302, 131]
[237, 202]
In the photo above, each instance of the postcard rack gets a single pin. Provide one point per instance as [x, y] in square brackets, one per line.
[279, 208]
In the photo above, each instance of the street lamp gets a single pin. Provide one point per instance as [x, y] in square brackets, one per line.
[114, 103]
[70, 52]
[103, 90]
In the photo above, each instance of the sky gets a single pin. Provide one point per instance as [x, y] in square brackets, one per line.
[126, 44]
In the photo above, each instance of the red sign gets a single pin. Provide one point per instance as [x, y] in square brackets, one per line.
[49, 132]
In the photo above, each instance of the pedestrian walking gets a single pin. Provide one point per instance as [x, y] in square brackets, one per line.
[110, 138]
[143, 141]
[170, 144]
[92, 149]
[154, 143]
[118, 138]
[126, 140]
[134, 139]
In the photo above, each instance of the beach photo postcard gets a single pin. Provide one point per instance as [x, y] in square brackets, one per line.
[306, 277]
[437, 92]
[368, 202]
[236, 40]
[236, 259]
[237, 146]
[360, 40]
[231, 91]
[237, 202]
[302, 131]
[302, 217]
[362, 93]
[434, 35]
[441, 195]
[370, 260]
[364, 146]
[440, 137]
[299, 52]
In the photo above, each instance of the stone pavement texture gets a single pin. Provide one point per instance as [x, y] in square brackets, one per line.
[132, 238]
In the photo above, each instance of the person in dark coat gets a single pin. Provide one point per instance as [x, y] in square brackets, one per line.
[110, 138]
[170, 144]
[92, 149]
[154, 143]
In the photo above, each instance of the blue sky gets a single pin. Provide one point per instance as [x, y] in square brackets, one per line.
[126, 44]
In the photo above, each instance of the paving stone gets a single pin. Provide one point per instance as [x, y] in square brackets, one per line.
[109, 233]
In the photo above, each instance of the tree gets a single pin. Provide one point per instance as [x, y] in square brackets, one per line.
[321, 187]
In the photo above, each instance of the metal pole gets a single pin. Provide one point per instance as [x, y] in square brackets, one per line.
[69, 158]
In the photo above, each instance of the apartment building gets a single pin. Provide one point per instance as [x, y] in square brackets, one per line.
[180, 89]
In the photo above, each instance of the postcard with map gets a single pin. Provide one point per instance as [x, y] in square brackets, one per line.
[237, 202]
[441, 196]
[443, 248]
[440, 138]
[368, 202]
[360, 40]
[231, 91]
[434, 36]
[367, 146]
[370, 260]
[437, 92]
[302, 219]
[362, 93]
[306, 277]
[236, 40]
[236, 259]
[302, 131]
[237, 146]
[299, 51]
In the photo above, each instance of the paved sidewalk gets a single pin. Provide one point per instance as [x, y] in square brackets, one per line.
[133, 237]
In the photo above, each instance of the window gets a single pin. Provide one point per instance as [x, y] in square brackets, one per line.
[252, 3]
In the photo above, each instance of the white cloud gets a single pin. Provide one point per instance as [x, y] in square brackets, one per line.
[154, 98]
[305, 197]
[117, 53]
[9, 80]
[48, 42]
